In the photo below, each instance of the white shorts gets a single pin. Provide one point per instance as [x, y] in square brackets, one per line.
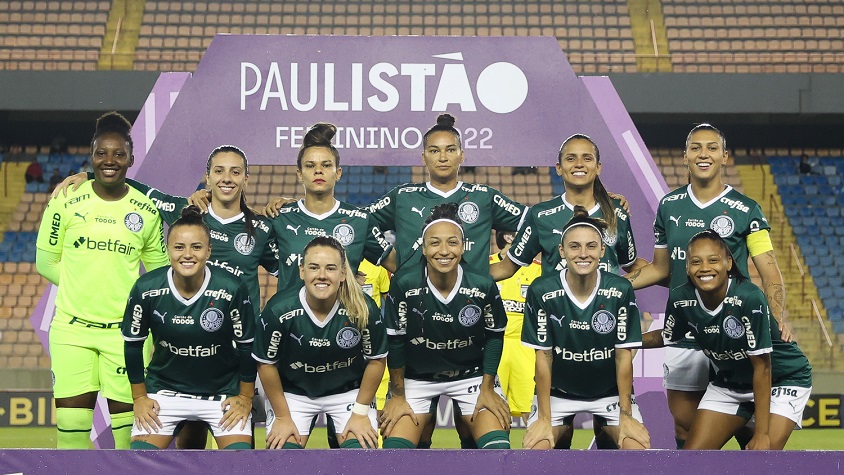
[420, 394]
[303, 410]
[175, 409]
[685, 370]
[786, 401]
[562, 409]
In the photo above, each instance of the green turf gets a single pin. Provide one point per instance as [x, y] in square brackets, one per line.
[808, 439]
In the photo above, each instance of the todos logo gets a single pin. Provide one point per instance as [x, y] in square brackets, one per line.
[501, 87]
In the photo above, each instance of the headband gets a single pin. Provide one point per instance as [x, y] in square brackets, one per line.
[442, 220]
[582, 223]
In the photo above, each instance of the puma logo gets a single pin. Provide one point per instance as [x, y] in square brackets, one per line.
[414, 209]
[557, 231]
[264, 324]
[82, 216]
[419, 312]
[248, 301]
[759, 311]
[559, 320]
[159, 315]
[295, 230]
[676, 220]
[297, 339]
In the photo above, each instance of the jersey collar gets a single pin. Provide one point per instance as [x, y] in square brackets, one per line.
[453, 293]
[570, 206]
[214, 215]
[301, 204]
[198, 293]
[585, 304]
[720, 306]
[321, 324]
[444, 194]
[700, 205]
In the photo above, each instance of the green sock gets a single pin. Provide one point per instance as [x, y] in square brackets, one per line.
[121, 429]
[496, 439]
[291, 445]
[351, 443]
[74, 427]
[238, 446]
[397, 443]
[141, 445]
[680, 443]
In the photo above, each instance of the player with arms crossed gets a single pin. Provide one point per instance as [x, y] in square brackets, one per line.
[706, 203]
[446, 326]
[583, 323]
[90, 244]
[758, 374]
[321, 348]
[202, 324]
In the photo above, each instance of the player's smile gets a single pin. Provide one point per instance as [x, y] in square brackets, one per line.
[322, 271]
[704, 155]
[578, 165]
[443, 247]
[189, 249]
[110, 159]
[708, 266]
[227, 177]
[582, 249]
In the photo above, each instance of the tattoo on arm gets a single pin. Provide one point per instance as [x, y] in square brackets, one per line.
[634, 275]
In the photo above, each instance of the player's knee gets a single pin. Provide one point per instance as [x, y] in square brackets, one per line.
[496, 439]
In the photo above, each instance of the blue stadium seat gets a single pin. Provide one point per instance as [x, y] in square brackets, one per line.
[837, 325]
[833, 180]
[792, 180]
[821, 281]
[826, 293]
[810, 189]
[833, 211]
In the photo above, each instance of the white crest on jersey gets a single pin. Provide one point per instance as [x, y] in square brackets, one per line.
[348, 337]
[468, 212]
[244, 243]
[134, 222]
[733, 327]
[211, 319]
[603, 322]
[469, 315]
[344, 233]
[723, 225]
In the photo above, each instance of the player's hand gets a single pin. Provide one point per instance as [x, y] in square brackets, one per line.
[759, 442]
[146, 414]
[630, 428]
[490, 400]
[73, 182]
[539, 435]
[394, 409]
[360, 426]
[235, 408]
[201, 199]
[283, 429]
[622, 201]
[275, 204]
[785, 333]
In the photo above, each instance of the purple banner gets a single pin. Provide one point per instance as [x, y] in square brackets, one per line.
[410, 462]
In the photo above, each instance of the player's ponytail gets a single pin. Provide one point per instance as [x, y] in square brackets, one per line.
[445, 123]
[248, 214]
[581, 218]
[113, 123]
[349, 294]
[319, 135]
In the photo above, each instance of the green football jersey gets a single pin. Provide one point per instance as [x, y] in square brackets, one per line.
[681, 215]
[543, 228]
[480, 207]
[583, 336]
[102, 244]
[295, 227]
[194, 339]
[740, 327]
[314, 358]
[444, 336]
[232, 248]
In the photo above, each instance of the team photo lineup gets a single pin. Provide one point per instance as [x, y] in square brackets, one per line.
[443, 289]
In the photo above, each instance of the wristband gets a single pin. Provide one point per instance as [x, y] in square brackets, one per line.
[360, 409]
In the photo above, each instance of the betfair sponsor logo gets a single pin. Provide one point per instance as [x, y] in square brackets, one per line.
[585, 356]
[726, 355]
[114, 246]
[195, 351]
[226, 266]
[324, 368]
[443, 345]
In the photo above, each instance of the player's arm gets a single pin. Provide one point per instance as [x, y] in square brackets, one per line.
[50, 242]
[135, 330]
[493, 346]
[48, 264]
[72, 182]
[539, 434]
[652, 339]
[628, 427]
[237, 408]
[359, 424]
[772, 281]
[503, 269]
[154, 253]
[283, 428]
[396, 406]
[762, 401]
[653, 273]
[376, 248]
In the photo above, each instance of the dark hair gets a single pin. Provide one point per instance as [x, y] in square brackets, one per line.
[706, 126]
[581, 217]
[713, 236]
[248, 214]
[319, 135]
[500, 242]
[113, 123]
[350, 294]
[598, 191]
[444, 211]
[190, 216]
[445, 123]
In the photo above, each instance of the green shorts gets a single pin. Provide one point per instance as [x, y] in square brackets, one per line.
[88, 357]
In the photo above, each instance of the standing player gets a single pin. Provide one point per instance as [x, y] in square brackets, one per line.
[202, 324]
[579, 164]
[583, 323]
[445, 326]
[517, 365]
[758, 374]
[326, 341]
[320, 214]
[90, 245]
[706, 203]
